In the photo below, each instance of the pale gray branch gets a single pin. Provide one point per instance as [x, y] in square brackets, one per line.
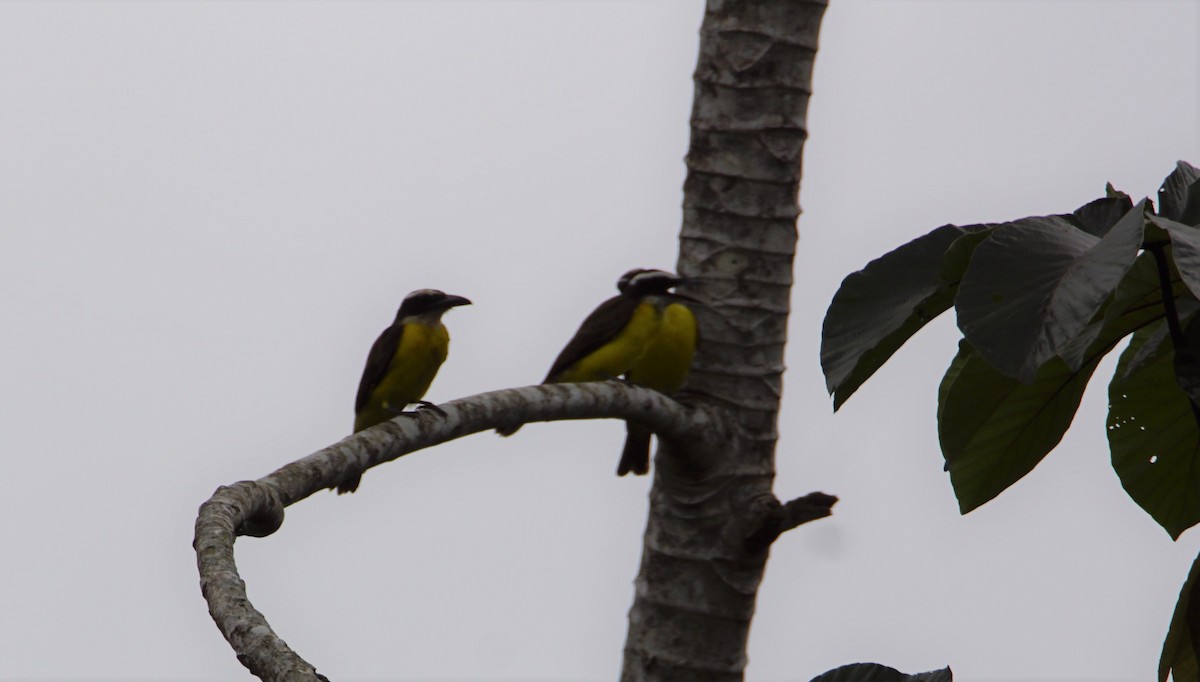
[255, 508]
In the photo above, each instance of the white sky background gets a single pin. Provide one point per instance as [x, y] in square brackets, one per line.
[208, 212]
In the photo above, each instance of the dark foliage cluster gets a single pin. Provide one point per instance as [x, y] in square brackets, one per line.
[1040, 301]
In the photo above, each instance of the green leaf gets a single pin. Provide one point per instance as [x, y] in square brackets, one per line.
[1098, 217]
[1136, 302]
[965, 351]
[1181, 649]
[1179, 196]
[1185, 249]
[1187, 363]
[994, 429]
[881, 306]
[874, 672]
[958, 256]
[1153, 435]
[1036, 284]
[1111, 192]
[1148, 351]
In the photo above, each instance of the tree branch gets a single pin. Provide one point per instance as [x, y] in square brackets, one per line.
[781, 518]
[255, 508]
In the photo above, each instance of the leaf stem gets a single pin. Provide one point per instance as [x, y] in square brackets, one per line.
[1178, 340]
[1164, 282]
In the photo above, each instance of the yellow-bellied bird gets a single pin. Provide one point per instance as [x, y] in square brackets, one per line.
[614, 338]
[403, 362]
[663, 366]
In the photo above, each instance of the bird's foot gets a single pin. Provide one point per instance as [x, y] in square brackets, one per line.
[426, 405]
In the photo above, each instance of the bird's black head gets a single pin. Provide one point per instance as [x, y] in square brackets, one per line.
[643, 281]
[424, 301]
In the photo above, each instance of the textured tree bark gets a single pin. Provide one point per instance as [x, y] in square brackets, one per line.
[712, 520]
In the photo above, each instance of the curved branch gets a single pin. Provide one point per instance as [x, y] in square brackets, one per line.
[255, 508]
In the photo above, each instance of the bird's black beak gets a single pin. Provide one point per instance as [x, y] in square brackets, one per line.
[684, 281]
[452, 301]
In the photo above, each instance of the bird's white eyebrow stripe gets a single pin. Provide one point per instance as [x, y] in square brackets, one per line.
[650, 275]
[423, 293]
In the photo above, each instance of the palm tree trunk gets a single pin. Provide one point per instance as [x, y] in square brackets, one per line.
[713, 516]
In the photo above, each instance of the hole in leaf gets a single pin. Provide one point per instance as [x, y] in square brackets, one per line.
[1153, 459]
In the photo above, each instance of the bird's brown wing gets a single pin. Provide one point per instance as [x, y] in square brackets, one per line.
[605, 322]
[378, 361]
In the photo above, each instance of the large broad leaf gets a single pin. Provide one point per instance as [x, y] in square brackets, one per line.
[874, 672]
[1187, 363]
[879, 307]
[1098, 217]
[995, 429]
[1037, 283]
[1179, 196]
[1181, 650]
[1137, 301]
[1153, 435]
[1185, 249]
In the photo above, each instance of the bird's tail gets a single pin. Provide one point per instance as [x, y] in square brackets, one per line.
[636, 455]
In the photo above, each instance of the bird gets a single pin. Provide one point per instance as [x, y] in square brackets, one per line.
[663, 367]
[619, 332]
[402, 362]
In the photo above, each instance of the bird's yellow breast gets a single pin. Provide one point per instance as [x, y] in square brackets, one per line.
[668, 357]
[421, 351]
[616, 357]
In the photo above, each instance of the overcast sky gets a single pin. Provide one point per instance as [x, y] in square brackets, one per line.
[208, 211]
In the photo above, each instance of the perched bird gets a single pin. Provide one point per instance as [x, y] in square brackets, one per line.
[663, 366]
[402, 362]
[619, 332]
[616, 334]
